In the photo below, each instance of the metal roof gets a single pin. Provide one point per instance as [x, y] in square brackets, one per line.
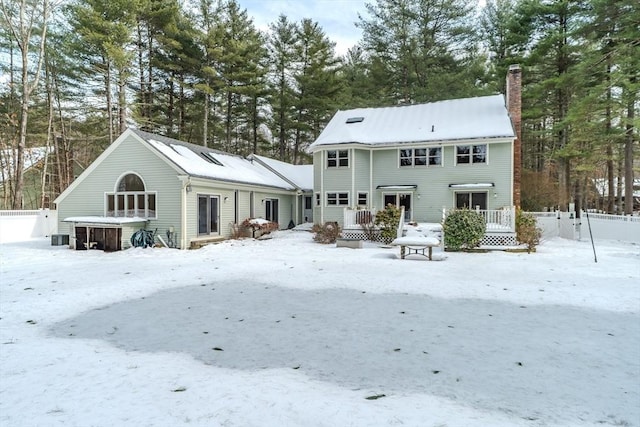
[483, 117]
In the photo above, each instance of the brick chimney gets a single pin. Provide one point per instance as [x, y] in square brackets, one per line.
[514, 107]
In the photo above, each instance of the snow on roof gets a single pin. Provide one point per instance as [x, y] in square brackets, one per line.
[31, 157]
[456, 119]
[104, 220]
[205, 162]
[300, 175]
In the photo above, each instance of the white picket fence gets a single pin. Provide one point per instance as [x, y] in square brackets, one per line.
[16, 226]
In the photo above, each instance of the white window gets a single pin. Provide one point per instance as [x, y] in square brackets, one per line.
[466, 154]
[421, 156]
[318, 199]
[131, 199]
[337, 199]
[435, 156]
[363, 199]
[337, 158]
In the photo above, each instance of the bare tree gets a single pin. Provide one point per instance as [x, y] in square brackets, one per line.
[22, 18]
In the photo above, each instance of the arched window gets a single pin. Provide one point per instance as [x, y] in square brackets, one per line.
[131, 199]
[130, 182]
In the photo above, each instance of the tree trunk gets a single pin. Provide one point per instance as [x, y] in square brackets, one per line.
[628, 154]
[22, 34]
[43, 188]
[205, 120]
[122, 101]
[107, 88]
[610, 165]
[143, 95]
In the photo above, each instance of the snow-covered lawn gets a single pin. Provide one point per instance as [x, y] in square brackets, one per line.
[288, 332]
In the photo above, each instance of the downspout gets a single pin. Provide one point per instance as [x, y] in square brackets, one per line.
[353, 178]
[322, 156]
[371, 205]
[297, 211]
[183, 212]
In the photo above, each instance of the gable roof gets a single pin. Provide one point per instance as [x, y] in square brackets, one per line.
[203, 162]
[301, 176]
[457, 119]
[197, 161]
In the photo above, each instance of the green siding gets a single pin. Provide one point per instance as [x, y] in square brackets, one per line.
[432, 193]
[131, 155]
[88, 198]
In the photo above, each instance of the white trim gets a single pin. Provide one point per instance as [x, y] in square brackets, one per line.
[337, 205]
[122, 175]
[398, 144]
[337, 159]
[471, 162]
[470, 186]
[105, 154]
[358, 193]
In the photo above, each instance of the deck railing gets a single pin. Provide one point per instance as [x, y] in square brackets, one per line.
[353, 218]
[497, 220]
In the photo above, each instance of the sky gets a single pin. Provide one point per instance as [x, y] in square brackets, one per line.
[336, 17]
[286, 332]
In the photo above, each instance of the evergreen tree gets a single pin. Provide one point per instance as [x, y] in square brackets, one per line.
[103, 30]
[281, 47]
[317, 85]
[422, 50]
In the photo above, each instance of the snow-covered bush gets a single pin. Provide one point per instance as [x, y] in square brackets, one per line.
[463, 229]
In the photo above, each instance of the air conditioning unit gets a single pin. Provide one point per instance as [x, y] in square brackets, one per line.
[59, 239]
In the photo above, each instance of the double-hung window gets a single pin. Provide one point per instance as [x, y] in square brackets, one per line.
[467, 154]
[337, 158]
[421, 156]
[337, 199]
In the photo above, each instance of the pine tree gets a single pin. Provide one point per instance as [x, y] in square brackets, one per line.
[281, 47]
[422, 50]
[317, 85]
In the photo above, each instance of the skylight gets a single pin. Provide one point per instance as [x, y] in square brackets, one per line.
[208, 157]
[354, 120]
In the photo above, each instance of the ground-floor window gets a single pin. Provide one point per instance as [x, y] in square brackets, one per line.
[471, 200]
[208, 214]
[271, 210]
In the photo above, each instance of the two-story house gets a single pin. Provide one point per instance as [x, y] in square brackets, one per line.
[425, 157]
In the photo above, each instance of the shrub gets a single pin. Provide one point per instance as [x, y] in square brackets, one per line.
[463, 229]
[327, 233]
[387, 220]
[527, 231]
[257, 225]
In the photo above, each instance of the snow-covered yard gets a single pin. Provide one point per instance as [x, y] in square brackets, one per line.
[288, 332]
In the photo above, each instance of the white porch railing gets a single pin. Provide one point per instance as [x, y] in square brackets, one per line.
[353, 218]
[497, 220]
